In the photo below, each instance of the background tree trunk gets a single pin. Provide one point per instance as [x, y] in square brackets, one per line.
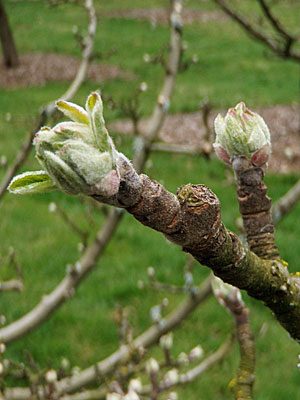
[10, 54]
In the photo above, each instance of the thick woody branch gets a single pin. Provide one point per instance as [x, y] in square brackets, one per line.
[107, 366]
[193, 221]
[283, 50]
[50, 109]
[255, 208]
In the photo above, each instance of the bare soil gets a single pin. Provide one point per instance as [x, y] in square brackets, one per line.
[188, 129]
[37, 69]
[161, 15]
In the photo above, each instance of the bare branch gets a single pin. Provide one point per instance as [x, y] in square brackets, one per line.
[275, 22]
[286, 203]
[282, 50]
[231, 298]
[124, 353]
[11, 285]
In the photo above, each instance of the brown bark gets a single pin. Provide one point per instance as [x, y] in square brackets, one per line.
[10, 55]
[193, 221]
[255, 208]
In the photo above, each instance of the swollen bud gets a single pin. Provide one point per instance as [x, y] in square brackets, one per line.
[78, 156]
[242, 133]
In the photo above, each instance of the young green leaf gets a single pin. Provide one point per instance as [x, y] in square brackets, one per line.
[31, 182]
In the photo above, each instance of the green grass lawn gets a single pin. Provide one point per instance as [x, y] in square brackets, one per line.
[231, 68]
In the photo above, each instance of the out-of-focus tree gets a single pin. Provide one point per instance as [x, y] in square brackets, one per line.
[9, 49]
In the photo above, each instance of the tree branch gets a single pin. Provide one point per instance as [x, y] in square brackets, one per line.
[11, 285]
[255, 208]
[284, 51]
[193, 221]
[286, 203]
[107, 366]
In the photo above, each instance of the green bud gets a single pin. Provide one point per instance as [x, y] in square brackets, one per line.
[242, 133]
[78, 156]
[31, 182]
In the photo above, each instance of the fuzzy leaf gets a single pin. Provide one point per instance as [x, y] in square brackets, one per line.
[73, 111]
[31, 182]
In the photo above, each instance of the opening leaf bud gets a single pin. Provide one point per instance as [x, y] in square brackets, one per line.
[242, 133]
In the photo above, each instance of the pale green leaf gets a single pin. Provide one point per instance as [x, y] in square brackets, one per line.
[31, 182]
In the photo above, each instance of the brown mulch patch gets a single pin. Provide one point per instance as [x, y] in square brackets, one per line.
[37, 69]
[161, 15]
[188, 129]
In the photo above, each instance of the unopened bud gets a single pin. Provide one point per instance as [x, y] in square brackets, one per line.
[183, 358]
[146, 58]
[196, 353]
[171, 377]
[166, 341]
[152, 366]
[143, 87]
[2, 348]
[135, 385]
[52, 207]
[150, 272]
[242, 133]
[224, 291]
[51, 376]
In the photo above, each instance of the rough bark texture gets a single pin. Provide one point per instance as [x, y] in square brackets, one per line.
[193, 221]
[10, 54]
[255, 208]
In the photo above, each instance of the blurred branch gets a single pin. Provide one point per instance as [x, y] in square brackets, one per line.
[230, 297]
[55, 208]
[283, 49]
[278, 27]
[15, 284]
[49, 110]
[11, 285]
[107, 366]
[167, 384]
[286, 203]
[182, 148]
